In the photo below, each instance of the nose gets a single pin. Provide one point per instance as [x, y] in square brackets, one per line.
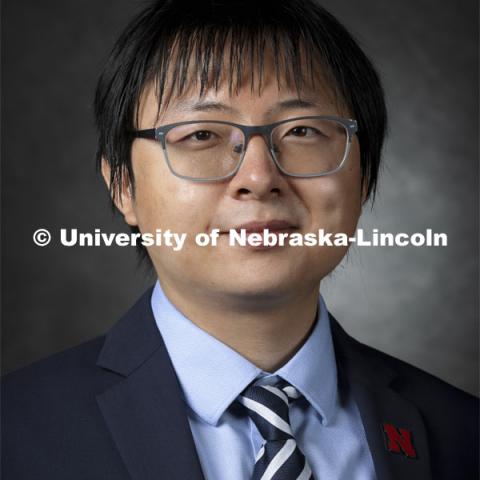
[258, 177]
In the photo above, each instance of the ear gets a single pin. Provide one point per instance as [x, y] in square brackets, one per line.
[124, 200]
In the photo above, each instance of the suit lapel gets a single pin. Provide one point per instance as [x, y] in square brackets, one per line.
[379, 403]
[144, 410]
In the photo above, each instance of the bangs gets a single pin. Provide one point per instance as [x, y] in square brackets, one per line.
[203, 58]
[237, 57]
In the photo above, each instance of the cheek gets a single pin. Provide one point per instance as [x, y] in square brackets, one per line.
[164, 201]
[336, 201]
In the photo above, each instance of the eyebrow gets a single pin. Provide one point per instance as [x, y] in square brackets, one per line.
[280, 107]
[292, 104]
[210, 106]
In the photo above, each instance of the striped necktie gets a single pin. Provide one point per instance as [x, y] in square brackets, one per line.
[279, 457]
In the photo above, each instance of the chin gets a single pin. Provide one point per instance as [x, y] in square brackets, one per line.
[260, 287]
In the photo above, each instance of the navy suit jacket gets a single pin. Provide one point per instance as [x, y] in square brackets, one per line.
[112, 408]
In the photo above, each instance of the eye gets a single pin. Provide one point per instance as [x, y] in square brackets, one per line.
[201, 135]
[303, 131]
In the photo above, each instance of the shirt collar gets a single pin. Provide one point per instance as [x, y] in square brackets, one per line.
[212, 374]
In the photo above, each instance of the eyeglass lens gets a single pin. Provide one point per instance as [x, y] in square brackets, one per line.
[212, 150]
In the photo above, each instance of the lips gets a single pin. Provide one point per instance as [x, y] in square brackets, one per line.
[260, 226]
[274, 226]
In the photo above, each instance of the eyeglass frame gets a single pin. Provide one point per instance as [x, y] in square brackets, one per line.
[159, 134]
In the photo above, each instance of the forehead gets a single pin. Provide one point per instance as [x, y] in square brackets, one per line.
[225, 89]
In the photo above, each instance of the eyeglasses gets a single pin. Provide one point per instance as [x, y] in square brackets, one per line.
[210, 150]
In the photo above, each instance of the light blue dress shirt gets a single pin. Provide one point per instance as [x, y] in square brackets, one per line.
[212, 375]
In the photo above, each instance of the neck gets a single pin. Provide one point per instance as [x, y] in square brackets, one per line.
[267, 332]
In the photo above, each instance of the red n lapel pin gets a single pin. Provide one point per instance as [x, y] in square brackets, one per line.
[399, 440]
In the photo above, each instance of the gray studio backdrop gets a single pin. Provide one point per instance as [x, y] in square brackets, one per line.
[418, 304]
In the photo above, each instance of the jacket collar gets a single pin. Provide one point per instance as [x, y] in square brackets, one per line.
[356, 359]
[132, 340]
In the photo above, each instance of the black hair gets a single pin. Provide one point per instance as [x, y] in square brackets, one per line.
[205, 41]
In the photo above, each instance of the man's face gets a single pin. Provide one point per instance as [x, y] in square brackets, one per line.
[258, 192]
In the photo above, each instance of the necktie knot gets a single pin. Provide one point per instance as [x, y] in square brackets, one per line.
[268, 407]
[279, 458]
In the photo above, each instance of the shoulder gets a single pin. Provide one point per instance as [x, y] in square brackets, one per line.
[444, 408]
[413, 382]
[450, 415]
[77, 369]
[425, 389]
[49, 411]
[63, 368]
[53, 386]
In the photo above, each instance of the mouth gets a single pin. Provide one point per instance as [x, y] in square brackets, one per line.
[259, 226]
[272, 227]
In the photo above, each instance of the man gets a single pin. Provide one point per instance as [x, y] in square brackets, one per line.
[226, 118]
